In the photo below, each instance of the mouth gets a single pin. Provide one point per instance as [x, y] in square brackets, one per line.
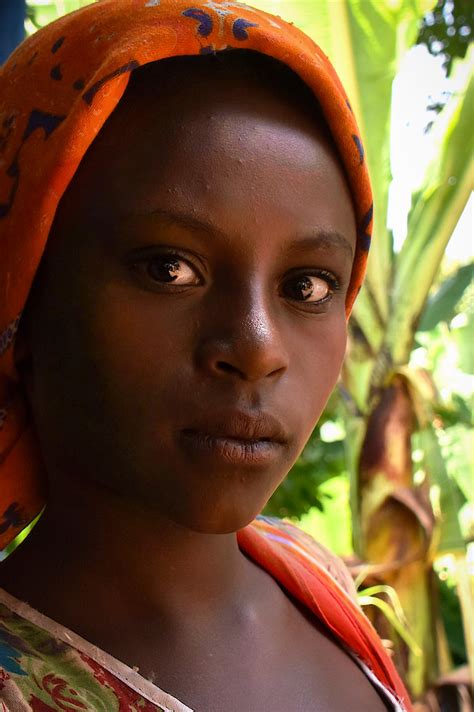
[236, 438]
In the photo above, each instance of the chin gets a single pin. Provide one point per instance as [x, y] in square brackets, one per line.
[228, 526]
[214, 505]
[223, 518]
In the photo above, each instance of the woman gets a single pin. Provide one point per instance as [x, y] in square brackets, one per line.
[202, 224]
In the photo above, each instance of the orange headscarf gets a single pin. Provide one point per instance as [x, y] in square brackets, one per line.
[56, 91]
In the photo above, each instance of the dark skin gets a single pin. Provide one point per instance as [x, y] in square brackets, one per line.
[125, 378]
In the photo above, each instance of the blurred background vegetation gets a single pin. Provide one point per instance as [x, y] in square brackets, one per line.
[386, 480]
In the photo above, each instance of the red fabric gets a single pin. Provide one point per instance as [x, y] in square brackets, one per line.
[316, 589]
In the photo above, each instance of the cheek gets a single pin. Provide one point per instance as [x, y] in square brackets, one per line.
[138, 342]
[320, 369]
[331, 347]
[105, 376]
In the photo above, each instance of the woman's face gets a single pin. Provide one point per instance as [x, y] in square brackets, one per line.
[188, 324]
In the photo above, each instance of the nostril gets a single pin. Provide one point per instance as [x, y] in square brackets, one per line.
[226, 367]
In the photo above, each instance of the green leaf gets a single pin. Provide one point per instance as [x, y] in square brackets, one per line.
[379, 33]
[435, 212]
[392, 618]
[457, 448]
[391, 594]
[464, 337]
[442, 305]
[452, 619]
[449, 497]
[458, 414]
[43, 12]
[332, 526]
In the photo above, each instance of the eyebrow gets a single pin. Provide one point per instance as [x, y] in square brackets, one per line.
[326, 239]
[329, 239]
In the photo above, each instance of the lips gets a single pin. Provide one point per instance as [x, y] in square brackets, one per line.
[238, 425]
[236, 437]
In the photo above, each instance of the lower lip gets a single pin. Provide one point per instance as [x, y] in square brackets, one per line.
[231, 450]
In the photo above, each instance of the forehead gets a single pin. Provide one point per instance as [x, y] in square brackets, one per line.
[227, 144]
[164, 100]
[210, 138]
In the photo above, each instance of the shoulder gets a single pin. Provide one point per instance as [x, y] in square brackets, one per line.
[290, 535]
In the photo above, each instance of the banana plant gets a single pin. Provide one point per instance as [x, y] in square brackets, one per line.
[395, 522]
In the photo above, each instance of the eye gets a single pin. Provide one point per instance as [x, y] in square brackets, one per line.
[311, 288]
[168, 269]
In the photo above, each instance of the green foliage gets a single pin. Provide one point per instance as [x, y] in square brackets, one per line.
[40, 12]
[442, 305]
[392, 610]
[380, 33]
[452, 619]
[446, 495]
[5, 553]
[447, 30]
[320, 461]
[374, 38]
[463, 337]
[436, 208]
[443, 448]
[332, 527]
[457, 413]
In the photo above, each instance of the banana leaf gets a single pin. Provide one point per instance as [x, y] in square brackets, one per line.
[380, 34]
[41, 12]
[442, 305]
[446, 495]
[436, 209]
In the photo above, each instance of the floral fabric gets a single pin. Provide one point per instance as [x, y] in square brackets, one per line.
[46, 668]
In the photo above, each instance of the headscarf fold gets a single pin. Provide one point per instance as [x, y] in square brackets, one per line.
[56, 91]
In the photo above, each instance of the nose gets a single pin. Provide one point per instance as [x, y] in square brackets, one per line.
[242, 339]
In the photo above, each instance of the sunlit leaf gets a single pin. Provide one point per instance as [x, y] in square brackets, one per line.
[449, 497]
[464, 336]
[442, 305]
[436, 210]
[393, 619]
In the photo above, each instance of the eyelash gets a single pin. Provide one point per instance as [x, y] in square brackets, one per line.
[142, 266]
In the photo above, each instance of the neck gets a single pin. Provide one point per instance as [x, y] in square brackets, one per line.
[95, 551]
